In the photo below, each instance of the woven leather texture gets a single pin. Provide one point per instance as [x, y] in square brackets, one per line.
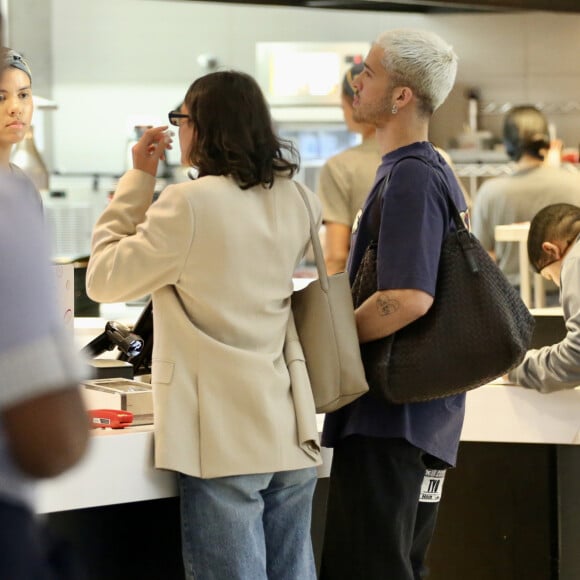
[477, 329]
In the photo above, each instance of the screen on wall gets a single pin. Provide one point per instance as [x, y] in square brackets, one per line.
[305, 73]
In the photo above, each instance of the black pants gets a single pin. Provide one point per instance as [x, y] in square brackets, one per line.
[29, 552]
[376, 527]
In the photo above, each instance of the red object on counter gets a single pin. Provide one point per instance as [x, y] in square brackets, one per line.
[112, 418]
[570, 155]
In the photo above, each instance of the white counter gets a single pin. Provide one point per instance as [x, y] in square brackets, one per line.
[510, 414]
[118, 467]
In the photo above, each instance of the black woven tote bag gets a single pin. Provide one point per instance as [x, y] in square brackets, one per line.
[477, 329]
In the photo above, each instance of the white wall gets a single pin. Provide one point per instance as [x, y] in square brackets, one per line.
[116, 59]
[113, 60]
[519, 59]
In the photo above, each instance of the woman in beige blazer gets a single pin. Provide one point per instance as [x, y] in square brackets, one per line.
[217, 255]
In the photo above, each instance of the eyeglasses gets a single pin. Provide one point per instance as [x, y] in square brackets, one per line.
[175, 118]
[543, 271]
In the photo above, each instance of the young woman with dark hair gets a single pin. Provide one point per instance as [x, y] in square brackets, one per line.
[217, 254]
[234, 135]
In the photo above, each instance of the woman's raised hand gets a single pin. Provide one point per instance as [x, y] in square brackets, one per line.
[151, 148]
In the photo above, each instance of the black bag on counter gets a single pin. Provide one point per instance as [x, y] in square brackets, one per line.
[477, 329]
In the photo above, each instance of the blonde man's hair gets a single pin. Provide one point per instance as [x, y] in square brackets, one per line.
[422, 61]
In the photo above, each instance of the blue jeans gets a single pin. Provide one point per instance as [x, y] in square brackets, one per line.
[248, 527]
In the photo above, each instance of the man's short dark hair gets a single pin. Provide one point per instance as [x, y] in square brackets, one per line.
[554, 222]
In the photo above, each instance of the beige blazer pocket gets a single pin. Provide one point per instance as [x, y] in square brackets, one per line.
[162, 371]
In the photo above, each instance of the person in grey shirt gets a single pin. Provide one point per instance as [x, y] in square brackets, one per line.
[554, 252]
[518, 197]
[43, 423]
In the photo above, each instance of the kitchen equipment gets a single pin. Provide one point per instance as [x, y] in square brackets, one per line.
[115, 335]
[121, 394]
[472, 109]
[106, 368]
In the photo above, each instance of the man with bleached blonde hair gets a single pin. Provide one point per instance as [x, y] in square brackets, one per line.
[389, 460]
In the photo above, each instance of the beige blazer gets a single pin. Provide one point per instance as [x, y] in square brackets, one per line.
[218, 262]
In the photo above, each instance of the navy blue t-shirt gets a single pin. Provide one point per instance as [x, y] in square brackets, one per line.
[414, 220]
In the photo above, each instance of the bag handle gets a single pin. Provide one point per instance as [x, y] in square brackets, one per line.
[465, 238]
[455, 215]
[315, 240]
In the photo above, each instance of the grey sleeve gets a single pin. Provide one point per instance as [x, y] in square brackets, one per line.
[557, 367]
[36, 355]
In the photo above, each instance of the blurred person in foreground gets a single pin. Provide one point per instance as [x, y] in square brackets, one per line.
[43, 423]
[387, 457]
[519, 196]
[346, 179]
[554, 252]
[217, 255]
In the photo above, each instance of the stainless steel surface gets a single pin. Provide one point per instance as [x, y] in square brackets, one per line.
[123, 394]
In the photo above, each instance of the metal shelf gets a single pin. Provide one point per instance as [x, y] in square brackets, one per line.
[473, 171]
[483, 169]
[564, 108]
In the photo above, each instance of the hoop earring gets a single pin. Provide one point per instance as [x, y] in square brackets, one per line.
[394, 110]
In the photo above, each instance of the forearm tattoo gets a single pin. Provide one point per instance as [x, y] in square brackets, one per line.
[387, 306]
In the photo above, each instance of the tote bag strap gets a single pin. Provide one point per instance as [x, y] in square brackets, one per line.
[315, 240]
[375, 209]
[466, 239]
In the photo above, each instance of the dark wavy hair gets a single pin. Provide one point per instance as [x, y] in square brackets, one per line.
[558, 221]
[233, 133]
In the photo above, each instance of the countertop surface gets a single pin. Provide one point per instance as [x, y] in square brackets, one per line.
[118, 467]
